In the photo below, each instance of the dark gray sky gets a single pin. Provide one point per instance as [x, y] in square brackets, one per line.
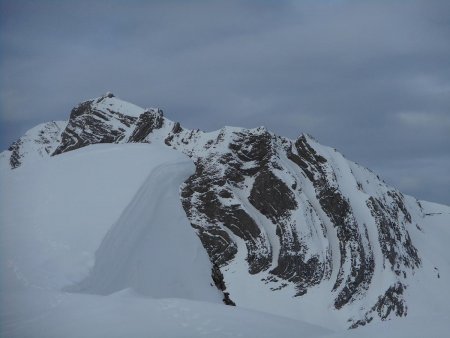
[370, 78]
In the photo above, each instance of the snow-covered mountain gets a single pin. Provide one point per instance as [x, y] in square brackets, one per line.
[291, 227]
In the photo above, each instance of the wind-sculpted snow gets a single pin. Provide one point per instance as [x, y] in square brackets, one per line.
[151, 248]
[295, 228]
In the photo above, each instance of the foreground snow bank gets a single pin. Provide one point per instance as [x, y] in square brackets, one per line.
[432, 326]
[56, 315]
[55, 214]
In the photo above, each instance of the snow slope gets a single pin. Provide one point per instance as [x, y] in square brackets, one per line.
[56, 315]
[429, 326]
[55, 214]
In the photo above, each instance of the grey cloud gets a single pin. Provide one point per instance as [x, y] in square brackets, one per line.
[369, 78]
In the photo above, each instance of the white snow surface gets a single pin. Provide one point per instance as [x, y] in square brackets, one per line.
[122, 202]
[117, 105]
[429, 326]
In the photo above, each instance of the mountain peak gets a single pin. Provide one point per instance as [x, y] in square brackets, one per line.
[288, 217]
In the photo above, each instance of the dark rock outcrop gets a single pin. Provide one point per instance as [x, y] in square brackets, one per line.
[391, 302]
[219, 281]
[14, 160]
[395, 241]
[89, 125]
[147, 122]
[200, 200]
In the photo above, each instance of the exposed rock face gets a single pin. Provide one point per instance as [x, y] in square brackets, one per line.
[147, 122]
[391, 301]
[204, 209]
[206, 196]
[219, 281]
[91, 122]
[14, 160]
[394, 239]
[339, 211]
[271, 196]
[297, 212]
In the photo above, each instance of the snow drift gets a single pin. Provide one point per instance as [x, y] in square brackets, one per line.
[152, 248]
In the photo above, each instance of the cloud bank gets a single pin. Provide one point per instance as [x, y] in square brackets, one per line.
[371, 78]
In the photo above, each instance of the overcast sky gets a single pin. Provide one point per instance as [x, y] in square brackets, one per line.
[370, 78]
